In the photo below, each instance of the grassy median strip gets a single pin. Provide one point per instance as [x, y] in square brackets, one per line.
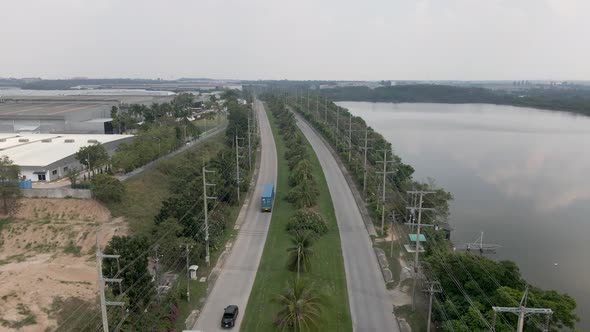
[327, 266]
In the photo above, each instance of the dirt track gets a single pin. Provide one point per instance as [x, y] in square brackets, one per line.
[46, 252]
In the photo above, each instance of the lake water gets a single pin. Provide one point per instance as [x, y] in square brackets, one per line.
[520, 175]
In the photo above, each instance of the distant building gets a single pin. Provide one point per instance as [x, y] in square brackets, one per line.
[47, 157]
[65, 114]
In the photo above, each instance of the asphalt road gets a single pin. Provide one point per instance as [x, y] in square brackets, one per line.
[237, 275]
[370, 303]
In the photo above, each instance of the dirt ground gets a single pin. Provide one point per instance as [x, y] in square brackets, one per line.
[47, 251]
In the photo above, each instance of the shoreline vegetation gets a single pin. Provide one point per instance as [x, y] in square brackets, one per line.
[572, 101]
[471, 284]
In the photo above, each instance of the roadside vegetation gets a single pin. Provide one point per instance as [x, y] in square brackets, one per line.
[488, 283]
[165, 208]
[300, 284]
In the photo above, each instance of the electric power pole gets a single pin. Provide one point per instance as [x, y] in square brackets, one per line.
[326, 110]
[417, 252]
[392, 222]
[385, 172]
[432, 287]
[156, 272]
[101, 285]
[249, 147]
[188, 274]
[206, 211]
[365, 150]
[350, 138]
[238, 164]
[317, 107]
[523, 311]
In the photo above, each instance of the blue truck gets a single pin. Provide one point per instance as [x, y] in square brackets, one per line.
[268, 194]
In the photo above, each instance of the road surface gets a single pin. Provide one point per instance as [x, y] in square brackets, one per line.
[370, 303]
[237, 275]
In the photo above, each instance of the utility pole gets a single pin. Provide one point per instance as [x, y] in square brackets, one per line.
[523, 311]
[385, 172]
[101, 285]
[365, 149]
[350, 138]
[308, 99]
[249, 147]
[417, 252]
[337, 122]
[188, 274]
[432, 287]
[392, 222]
[206, 211]
[238, 164]
[326, 110]
[317, 106]
[156, 274]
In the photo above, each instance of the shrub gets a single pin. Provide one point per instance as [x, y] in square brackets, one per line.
[307, 220]
[107, 188]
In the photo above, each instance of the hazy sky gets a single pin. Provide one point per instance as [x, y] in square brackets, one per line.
[301, 39]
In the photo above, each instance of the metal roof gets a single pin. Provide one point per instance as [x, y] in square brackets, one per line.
[44, 149]
[413, 237]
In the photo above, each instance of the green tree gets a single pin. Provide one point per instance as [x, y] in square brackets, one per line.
[305, 194]
[9, 189]
[106, 188]
[300, 253]
[136, 284]
[182, 103]
[303, 171]
[300, 307]
[307, 220]
[92, 156]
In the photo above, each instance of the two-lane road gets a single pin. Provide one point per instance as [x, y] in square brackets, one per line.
[370, 303]
[238, 272]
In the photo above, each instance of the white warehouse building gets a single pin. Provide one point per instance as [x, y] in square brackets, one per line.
[47, 157]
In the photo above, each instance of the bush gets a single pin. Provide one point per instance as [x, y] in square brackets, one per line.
[107, 188]
[307, 220]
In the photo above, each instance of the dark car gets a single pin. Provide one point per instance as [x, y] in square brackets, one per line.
[230, 314]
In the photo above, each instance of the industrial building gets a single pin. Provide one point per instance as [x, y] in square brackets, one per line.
[47, 157]
[65, 114]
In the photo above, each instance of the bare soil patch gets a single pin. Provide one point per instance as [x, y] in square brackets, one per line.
[47, 251]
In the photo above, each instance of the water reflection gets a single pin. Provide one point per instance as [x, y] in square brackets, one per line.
[518, 174]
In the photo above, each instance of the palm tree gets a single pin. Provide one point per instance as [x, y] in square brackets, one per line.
[304, 194]
[300, 307]
[300, 253]
[303, 171]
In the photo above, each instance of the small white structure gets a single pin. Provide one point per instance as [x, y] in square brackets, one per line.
[192, 270]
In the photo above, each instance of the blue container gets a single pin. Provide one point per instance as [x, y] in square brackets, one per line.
[268, 194]
[25, 184]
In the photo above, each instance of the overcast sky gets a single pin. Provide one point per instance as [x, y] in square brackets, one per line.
[300, 39]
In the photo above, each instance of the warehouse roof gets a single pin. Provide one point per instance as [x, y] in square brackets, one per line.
[45, 149]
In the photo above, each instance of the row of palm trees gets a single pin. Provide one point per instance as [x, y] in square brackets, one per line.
[300, 303]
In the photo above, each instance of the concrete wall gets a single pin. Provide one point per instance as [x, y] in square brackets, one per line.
[56, 193]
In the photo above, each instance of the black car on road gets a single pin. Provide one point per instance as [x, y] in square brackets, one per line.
[230, 314]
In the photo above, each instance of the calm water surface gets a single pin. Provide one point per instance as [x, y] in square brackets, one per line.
[520, 175]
